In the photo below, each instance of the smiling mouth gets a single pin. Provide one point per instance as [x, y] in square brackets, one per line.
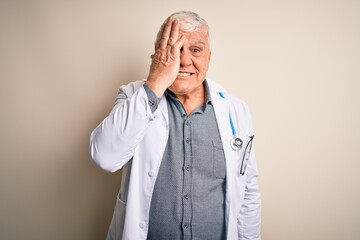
[184, 74]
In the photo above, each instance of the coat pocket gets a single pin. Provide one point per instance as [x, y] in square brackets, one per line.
[219, 164]
[117, 222]
[246, 154]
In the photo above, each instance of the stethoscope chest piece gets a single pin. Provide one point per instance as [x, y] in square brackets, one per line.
[236, 143]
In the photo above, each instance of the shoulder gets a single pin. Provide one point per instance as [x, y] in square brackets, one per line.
[131, 88]
[237, 106]
[216, 88]
[126, 91]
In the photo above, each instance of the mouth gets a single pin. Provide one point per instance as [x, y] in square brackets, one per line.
[184, 74]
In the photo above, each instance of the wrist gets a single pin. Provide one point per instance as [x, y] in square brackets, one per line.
[156, 86]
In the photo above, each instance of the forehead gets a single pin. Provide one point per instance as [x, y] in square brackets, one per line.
[196, 37]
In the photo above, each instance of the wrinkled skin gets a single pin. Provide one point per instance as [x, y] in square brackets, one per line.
[180, 63]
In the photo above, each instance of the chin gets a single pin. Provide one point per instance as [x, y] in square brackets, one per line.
[178, 90]
[181, 88]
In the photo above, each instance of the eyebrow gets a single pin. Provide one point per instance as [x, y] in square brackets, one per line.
[200, 42]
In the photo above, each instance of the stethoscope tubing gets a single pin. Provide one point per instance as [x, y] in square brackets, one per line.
[237, 143]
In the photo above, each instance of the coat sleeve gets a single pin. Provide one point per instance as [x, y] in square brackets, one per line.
[113, 141]
[249, 219]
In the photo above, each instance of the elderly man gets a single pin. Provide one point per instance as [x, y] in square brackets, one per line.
[184, 147]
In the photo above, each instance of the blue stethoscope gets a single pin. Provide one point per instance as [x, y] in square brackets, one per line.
[237, 143]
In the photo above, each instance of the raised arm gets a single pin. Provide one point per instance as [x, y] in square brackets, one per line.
[112, 143]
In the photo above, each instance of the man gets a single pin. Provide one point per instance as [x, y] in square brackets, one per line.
[184, 147]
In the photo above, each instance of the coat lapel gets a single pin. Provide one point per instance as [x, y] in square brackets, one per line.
[222, 111]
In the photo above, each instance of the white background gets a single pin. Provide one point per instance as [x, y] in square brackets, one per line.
[296, 63]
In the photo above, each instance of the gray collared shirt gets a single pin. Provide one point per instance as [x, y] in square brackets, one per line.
[188, 200]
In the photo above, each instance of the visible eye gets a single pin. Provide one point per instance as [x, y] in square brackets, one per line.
[196, 51]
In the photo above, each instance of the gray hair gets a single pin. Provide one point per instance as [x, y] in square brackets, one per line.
[189, 22]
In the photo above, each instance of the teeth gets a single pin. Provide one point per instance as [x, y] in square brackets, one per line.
[181, 74]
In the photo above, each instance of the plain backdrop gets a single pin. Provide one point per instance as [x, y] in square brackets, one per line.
[295, 62]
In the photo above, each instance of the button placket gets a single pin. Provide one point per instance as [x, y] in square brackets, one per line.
[187, 212]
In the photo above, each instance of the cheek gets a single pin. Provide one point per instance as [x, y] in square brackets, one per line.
[202, 66]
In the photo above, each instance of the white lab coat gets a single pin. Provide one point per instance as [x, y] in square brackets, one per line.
[133, 139]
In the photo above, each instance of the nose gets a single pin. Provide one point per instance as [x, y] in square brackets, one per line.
[185, 58]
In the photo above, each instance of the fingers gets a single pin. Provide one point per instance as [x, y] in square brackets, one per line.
[169, 34]
[175, 50]
[174, 33]
[165, 34]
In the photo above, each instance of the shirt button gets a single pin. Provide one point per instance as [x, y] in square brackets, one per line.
[186, 196]
[187, 140]
[151, 173]
[142, 225]
[187, 123]
[187, 167]
[186, 225]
